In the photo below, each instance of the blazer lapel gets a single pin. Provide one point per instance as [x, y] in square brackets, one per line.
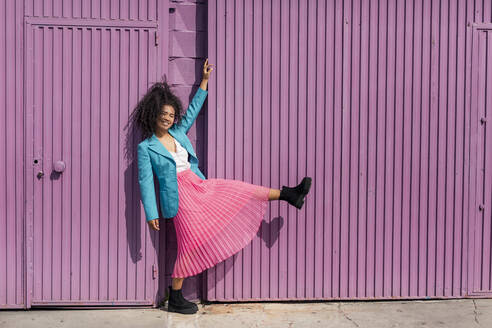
[158, 147]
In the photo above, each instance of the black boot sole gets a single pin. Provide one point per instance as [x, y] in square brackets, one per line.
[190, 310]
[306, 185]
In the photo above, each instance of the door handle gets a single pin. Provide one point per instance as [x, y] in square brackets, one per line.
[59, 166]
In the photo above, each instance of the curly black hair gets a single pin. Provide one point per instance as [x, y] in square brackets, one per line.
[149, 108]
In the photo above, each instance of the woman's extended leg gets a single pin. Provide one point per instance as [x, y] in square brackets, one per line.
[274, 194]
[293, 195]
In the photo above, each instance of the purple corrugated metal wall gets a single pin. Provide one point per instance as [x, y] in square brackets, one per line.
[373, 100]
[384, 104]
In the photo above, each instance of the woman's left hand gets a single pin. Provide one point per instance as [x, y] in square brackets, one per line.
[207, 69]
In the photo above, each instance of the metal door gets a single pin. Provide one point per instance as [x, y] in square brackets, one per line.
[87, 242]
[480, 269]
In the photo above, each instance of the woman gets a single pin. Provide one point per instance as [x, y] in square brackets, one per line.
[214, 218]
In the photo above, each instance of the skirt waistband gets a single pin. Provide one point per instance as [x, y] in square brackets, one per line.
[187, 171]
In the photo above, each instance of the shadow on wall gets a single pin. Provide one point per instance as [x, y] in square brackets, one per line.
[268, 232]
[134, 220]
[133, 215]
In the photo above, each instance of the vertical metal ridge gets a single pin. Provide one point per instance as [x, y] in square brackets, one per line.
[488, 151]
[304, 227]
[430, 282]
[19, 192]
[145, 273]
[4, 253]
[446, 227]
[315, 203]
[325, 59]
[420, 269]
[455, 202]
[333, 154]
[363, 293]
[454, 27]
[4, 124]
[297, 148]
[391, 260]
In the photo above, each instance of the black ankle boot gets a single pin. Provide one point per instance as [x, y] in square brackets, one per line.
[295, 196]
[177, 303]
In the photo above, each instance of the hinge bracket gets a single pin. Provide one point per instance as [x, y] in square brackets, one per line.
[156, 38]
[154, 271]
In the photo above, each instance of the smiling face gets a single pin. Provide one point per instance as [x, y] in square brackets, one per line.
[166, 119]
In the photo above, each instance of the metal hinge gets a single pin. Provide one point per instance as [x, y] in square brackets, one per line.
[156, 38]
[483, 120]
[154, 271]
[481, 207]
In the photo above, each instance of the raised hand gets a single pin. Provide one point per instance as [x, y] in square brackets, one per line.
[207, 69]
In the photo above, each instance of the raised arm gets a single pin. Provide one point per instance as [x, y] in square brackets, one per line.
[193, 109]
[197, 102]
[146, 182]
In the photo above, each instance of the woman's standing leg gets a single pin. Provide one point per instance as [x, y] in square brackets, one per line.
[177, 283]
[177, 303]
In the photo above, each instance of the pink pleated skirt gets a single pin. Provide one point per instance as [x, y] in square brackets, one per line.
[216, 218]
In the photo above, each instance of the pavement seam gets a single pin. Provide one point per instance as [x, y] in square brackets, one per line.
[475, 311]
[345, 315]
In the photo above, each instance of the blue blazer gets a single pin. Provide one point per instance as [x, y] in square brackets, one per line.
[154, 157]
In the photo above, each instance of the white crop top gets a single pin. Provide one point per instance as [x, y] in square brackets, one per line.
[180, 157]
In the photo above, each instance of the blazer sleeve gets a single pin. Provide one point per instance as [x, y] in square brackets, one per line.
[146, 182]
[193, 110]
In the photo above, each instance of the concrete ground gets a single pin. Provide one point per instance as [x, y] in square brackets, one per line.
[429, 313]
